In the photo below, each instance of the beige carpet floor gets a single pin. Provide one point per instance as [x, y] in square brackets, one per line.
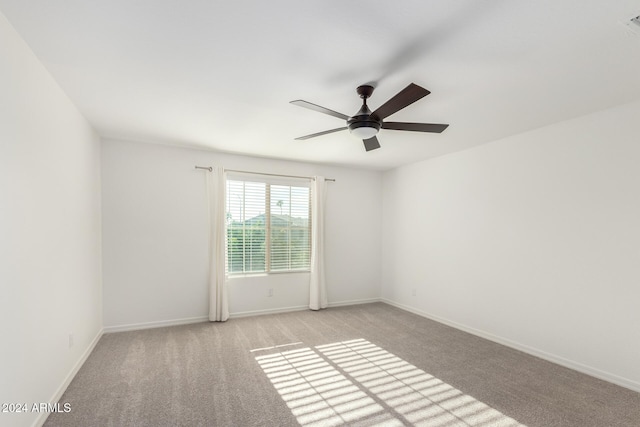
[366, 365]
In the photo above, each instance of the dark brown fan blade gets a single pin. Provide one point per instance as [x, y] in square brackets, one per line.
[406, 96]
[371, 144]
[415, 127]
[314, 107]
[313, 135]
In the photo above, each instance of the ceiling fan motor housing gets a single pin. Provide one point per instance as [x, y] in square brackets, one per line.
[363, 119]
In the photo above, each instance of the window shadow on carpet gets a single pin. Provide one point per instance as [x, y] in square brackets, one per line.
[361, 384]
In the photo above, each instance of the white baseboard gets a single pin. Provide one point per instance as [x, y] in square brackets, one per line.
[63, 387]
[354, 302]
[576, 366]
[157, 324]
[267, 311]
[300, 308]
[187, 321]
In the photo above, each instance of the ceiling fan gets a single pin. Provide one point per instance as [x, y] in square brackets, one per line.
[365, 124]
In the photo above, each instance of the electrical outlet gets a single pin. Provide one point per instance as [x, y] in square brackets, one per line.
[270, 292]
[70, 340]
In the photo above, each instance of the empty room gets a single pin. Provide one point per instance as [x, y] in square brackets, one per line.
[320, 213]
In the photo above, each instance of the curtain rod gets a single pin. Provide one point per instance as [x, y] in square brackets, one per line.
[210, 169]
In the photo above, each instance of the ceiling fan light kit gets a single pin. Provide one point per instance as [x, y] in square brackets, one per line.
[365, 124]
[363, 130]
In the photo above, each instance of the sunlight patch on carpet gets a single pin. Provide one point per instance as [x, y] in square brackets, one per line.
[316, 393]
[359, 383]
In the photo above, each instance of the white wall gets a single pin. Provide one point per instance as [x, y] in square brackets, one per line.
[50, 283]
[155, 236]
[533, 240]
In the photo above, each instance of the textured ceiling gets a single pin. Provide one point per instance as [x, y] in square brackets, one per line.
[220, 75]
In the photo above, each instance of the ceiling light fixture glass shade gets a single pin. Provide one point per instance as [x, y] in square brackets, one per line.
[364, 132]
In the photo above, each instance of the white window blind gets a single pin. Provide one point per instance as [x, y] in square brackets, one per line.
[268, 226]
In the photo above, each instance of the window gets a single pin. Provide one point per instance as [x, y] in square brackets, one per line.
[268, 226]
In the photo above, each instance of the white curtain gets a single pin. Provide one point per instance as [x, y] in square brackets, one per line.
[317, 285]
[218, 305]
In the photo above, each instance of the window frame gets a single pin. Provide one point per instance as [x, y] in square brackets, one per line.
[268, 181]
